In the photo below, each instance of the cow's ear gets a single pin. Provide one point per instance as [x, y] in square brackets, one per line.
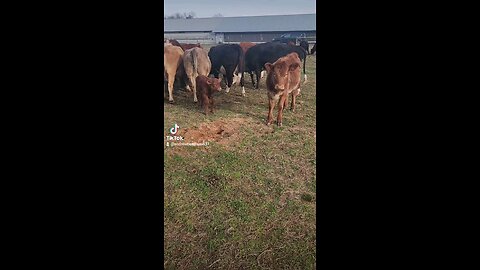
[293, 67]
[268, 67]
[209, 81]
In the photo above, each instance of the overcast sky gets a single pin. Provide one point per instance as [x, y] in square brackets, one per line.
[234, 8]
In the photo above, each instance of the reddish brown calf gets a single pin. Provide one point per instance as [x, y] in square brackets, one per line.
[206, 87]
[283, 78]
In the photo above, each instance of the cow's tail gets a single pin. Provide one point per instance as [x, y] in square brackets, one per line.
[304, 71]
[241, 63]
[304, 63]
[195, 63]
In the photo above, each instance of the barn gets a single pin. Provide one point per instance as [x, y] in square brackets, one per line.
[237, 29]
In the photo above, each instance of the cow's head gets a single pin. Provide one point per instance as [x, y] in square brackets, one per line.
[214, 84]
[279, 72]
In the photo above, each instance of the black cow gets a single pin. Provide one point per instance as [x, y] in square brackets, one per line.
[229, 56]
[257, 56]
[304, 45]
[314, 49]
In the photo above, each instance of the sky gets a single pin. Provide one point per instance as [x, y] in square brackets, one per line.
[235, 8]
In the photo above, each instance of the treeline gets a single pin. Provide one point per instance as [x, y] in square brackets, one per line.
[185, 15]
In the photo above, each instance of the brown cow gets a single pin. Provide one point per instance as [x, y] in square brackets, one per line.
[195, 62]
[172, 60]
[283, 78]
[206, 88]
[246, 45]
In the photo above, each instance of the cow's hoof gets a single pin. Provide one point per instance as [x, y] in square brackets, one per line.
[268, 123]
[195, 101]
[170, 101]
[279, 124]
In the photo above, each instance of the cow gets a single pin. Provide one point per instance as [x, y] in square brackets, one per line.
[230, 56]
[180, 76]
[206, 88]
[314, 49]
[186, 46]
[172, 61]
[236, 78]
[304, 45]
[195, 62]
[283, 78]
[269, 52]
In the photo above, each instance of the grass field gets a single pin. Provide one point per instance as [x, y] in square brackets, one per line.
[247, 199]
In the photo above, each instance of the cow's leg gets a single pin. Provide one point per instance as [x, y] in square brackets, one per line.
[263, 73]
[194, 87]
[211, 105]
[229, 79]
[240, 80]
[272, 100]
[165, 87]
[251, 76]
[286, 101]
[281, 104]
[295, 93]
[205, 103]
[257, 73]
[236, 78]
[201, 102]
[171, 80]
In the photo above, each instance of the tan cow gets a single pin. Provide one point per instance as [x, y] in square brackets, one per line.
[172, 60]
[195, 63]
[283, 78]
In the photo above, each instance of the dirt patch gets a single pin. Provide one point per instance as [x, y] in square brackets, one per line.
[225, 131]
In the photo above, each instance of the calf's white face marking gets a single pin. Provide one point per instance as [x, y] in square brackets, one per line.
[264, 72]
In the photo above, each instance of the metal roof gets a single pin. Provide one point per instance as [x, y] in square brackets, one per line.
[290, 23]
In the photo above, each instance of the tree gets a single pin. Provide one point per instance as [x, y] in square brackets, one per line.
[218, 15]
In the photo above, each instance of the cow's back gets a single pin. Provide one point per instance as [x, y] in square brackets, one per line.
[225, 54]
[187, 46]
[199, 57]
[174, 42]
[172, 58]
[263, 53]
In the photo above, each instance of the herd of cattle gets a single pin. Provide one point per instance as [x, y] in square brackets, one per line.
[191, 66]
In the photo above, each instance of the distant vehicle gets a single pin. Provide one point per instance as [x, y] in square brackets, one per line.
[293, 37]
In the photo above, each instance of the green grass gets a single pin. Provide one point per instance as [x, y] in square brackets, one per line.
[249, 203]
